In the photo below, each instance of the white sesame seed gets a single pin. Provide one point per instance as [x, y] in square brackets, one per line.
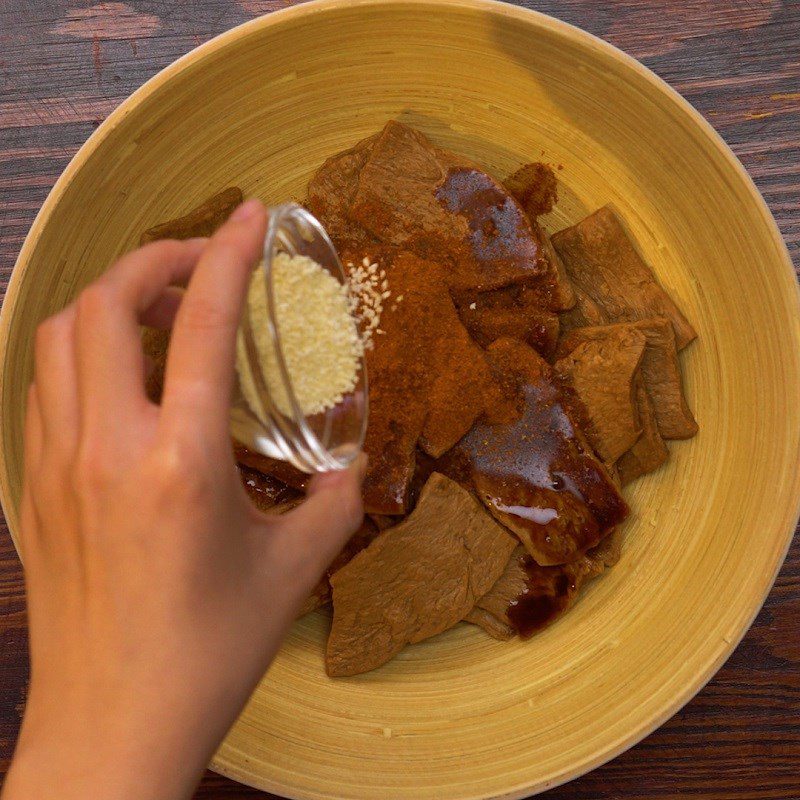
[368, 288]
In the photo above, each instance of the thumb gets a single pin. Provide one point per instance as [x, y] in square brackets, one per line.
[318, 528]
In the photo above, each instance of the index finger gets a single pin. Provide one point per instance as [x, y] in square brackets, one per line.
[108, 350]
[200, 363]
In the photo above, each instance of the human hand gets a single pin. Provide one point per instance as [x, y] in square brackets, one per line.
[157, 595]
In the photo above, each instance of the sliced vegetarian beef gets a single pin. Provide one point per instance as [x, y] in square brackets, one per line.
[602, 372]
[518, 311]
[660, 370]
[330, 196]
[398, 190]
[428, 382]
[649, 452]
[528, 597]
[416, 579]
[603, 263]
[535, 188]
[536, 472]
[203, 220]
[265, 491]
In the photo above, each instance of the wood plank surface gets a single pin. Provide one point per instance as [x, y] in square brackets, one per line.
[65, 65]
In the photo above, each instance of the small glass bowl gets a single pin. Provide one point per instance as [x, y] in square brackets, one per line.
[326, 441]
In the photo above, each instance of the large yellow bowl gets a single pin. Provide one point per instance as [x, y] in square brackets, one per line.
[462, 716]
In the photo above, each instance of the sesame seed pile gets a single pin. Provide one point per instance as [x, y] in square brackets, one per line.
[319, 339]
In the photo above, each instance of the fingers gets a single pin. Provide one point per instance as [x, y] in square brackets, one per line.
[314, 533]
[162, 313]
[200, 365]
[139, 277]
[33, 443]
[33, 433]
[108, 342]
[53, 405]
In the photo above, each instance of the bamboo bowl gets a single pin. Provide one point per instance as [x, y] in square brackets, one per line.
[462, 716]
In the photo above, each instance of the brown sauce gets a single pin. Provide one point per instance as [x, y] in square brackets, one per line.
[501, 241]
[547, 593]
[534, 472]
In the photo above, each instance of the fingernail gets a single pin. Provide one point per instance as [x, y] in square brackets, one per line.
[246, 210]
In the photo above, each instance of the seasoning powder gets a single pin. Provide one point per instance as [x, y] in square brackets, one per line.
[319, 340]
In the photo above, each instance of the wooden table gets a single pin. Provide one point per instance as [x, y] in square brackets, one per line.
[65, 65]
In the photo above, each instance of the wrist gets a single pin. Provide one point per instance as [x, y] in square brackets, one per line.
[74, 752]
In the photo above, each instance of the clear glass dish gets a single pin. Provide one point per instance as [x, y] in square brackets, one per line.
[326, 441]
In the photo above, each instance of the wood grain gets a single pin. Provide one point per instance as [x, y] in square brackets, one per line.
[64, 66]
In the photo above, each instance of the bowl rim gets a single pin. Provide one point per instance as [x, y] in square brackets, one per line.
[493, 7]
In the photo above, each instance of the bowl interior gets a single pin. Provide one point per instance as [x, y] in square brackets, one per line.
[462, 716]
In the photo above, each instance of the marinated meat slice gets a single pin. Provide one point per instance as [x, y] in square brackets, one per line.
[534, 187]
[331, 192]
[491, 624]
[563, 294]
[395, 196]
[539, 329]
[501, 247]
[155, 344]
[462, 385]
[584, 312]
[281, 470]
[494, 222]
[528, 597]
[609, 550]
[649, 452]
[395, 426]
[412, 195]
[537, 474]
[321, 595]
[398, 394]
[264, 491]
[491, 610]
[382, 521]
[602, 261]
[660, 369]
[400, 192]
[516, 311]
[428, 382]
[601, 371]
[415, 580]
[200, 221]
